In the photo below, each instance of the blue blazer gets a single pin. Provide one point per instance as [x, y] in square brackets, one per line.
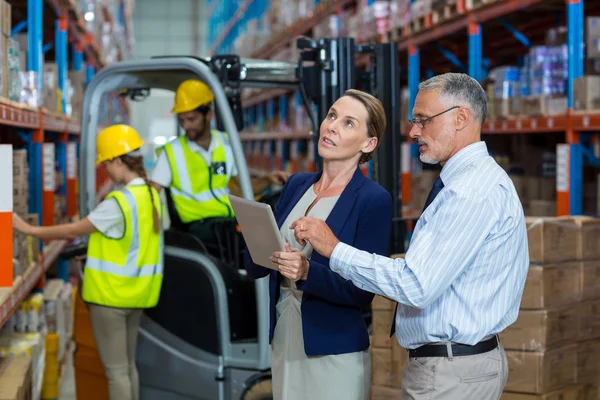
[332, 320]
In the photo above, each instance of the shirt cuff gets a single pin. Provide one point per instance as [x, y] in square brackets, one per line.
[341, 259]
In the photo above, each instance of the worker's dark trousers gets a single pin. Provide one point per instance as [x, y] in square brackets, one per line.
[204, 230]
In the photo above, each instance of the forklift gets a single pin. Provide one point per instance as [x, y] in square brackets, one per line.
[207, 339]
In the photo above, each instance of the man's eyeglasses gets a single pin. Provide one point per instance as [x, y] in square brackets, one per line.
[421, 122]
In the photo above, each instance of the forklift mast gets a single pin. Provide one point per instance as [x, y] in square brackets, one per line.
[382, 80]
[326, 69]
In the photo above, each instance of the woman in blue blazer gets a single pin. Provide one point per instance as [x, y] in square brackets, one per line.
[318, 335]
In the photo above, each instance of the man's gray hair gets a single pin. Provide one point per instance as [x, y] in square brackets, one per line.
[459, 90]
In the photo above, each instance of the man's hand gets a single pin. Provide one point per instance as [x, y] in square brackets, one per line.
[317, 233]
[277, 177]
[291, 263]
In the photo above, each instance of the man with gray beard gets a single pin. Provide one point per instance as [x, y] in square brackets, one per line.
[461, 281]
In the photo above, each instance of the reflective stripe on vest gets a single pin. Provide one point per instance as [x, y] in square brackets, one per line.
[127, 272]
[193, 179]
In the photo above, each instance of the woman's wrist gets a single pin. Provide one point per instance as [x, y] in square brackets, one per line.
[307, 267]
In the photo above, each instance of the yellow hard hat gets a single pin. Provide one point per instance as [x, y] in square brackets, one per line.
[115, 141]
[190, 95]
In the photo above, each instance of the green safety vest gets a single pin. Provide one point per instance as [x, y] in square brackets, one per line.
[197, 191]
[127, 272]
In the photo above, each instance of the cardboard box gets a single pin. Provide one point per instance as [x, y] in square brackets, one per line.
[541, 372]
[544, 106]
[6, 17]
[547, 188]
[591, 392]
[542, 208]
[382, 325]
[554, 285]
[569, 393]
[33, 243]
[534, 185]
[539, 330]
[382, 303]
[381, 361]
[590, 280]
[399, 361]
[384, 393]
[388, 365]
[5, 72]
[588, 238]
[551, 239]
[20, 182]
[588, 362]
[592, 66]
[16, 378]
[592, 37]
[502, 108]
[586, 93]
[516, 106]
[520, 183]
[589, 325]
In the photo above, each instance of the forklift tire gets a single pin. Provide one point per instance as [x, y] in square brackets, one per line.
[263, 390]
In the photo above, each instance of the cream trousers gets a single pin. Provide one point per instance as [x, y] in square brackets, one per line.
[115, 331]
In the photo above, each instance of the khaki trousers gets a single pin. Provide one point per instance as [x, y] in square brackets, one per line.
[477, 377]
[115, 331]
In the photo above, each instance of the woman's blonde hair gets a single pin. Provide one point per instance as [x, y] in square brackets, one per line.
[136, 164]
[376, 120]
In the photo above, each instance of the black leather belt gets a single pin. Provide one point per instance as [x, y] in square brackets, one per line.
[440, 350]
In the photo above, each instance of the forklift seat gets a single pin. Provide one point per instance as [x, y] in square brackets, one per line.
[188, 303]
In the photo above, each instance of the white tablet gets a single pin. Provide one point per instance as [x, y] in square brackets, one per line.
[259, 229]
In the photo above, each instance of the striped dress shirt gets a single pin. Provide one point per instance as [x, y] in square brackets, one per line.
[463, 276]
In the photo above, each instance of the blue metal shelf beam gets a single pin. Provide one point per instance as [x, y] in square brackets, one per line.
[62, 61]
[414, 72]
[34, 36]
[475, 51]
[451, 57]
[518, 35]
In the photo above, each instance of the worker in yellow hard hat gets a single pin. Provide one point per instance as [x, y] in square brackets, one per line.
[199, 167]
[124, 266]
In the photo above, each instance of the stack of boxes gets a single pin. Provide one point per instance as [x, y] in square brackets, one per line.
[20, 207]
[399, 13]
[51, 96]
[26, 249]
[40, 330]
[375, 20]
[388, 359]
[5, 26]
[537, 89]
[421, 185]
[553, 348]
[15, 378]
[592, 44]
[14, 68]
[22, 364]
[586, 89]
[58, 305]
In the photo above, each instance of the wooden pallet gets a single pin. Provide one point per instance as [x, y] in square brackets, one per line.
[473, 4]
[445, 13]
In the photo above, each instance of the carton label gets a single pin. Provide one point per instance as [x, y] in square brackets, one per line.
[562, 167]
[71, 161]
[48, 160]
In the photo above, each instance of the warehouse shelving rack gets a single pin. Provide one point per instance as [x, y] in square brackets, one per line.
[471, 19]
[43, 131]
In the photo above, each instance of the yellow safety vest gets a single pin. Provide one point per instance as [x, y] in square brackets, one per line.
[197, 191]
[127, 272]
